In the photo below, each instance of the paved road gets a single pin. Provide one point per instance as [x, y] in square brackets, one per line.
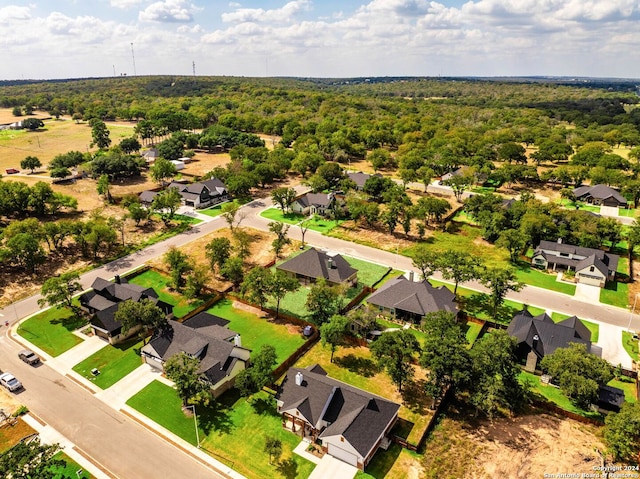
[122, 446]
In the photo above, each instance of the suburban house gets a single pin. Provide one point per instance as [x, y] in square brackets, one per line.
[600, 195]
[206, 337]
[361, 178]
[203, 193]
[351, 423]
[312, 265]
[314, 204]
[408, 300]
[592, 266]
[538, 336]
[146, 197]
[104, 299]
[150, 155]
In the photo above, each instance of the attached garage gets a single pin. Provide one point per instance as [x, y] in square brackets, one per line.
[343, 455]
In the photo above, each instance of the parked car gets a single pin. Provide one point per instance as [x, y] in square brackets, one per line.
[12, 171]
[29, 357]
[10, 382]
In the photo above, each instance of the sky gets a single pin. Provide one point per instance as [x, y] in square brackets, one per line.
[47, 39]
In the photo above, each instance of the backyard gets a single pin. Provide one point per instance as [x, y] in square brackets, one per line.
[256, 331]
[113, 362]
[228, 430]
[52, 330]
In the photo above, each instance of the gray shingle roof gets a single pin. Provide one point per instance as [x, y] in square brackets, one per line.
[318, 264]
[359, 416]
[321, 200]
[605, 262]
[417, 298]
[599, 192]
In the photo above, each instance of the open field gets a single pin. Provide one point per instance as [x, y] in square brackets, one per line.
[228, 430]
[6, 115]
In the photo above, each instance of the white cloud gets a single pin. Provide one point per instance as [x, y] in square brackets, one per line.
[168, 11]
[13, 12]
[285, 14]
[125, 4]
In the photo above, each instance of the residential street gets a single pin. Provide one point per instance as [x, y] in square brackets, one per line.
[128, 449]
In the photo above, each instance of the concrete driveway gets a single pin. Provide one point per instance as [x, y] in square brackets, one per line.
[587, 293]
[331, 468]
[610, 340]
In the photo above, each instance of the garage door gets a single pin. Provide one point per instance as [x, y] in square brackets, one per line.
[343, 455]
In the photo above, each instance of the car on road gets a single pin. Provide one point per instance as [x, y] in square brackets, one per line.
[10, 382]
[29, 357]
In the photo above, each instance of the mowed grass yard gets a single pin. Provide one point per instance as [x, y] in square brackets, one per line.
[541, 279]
[159, 282]
[357, 367]
[233, 430]
[52, 330]
[256, 331]
[113, 362]
[630, 345]
[315, 223]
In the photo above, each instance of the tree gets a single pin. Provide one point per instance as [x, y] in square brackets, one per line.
[103, 188]
[281, 240]
[100, 235]
[232, 215]
[196, 281]
[512, 152]
[444, 354]
[162, 170]
[30, 163]
[394, 352]
[29, 459]
[514, 241]
[130, 145]
[99, 133]
[144, 313]
[233, 270]
[578, 373]
[217, 252]
[259, 375]
[178, 264]
[24, 250]
[58, 291]
[182, 369]
[499, 281]
[255, 286]
[166, 203]
[283, 197]
[426, 260]
[137, 212]
[495, 371]
[304, 226]
[279, 285]
[333, 332]
[622, 432]
[457, 266]
[32, 123]
[458, 184]
[273, 447]
[171, 149]
[323, 301]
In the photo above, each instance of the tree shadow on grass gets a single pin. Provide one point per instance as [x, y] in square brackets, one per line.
[363, 366]
[288, 468]
[215, 418]
[479, 306]
[264, 406]
[414, 396]
[71, 323]
[383, 461]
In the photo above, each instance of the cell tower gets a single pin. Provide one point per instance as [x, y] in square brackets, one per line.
[133, 57]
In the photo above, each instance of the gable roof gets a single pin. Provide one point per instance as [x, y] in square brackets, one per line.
[602, 260]
[550, 335]
[360, 178]
[359, 416]
[321, 200]
[417, 298]
[147, 196]
[600, 192]
[318, 264]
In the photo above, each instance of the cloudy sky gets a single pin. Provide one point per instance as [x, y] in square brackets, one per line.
[326, 38]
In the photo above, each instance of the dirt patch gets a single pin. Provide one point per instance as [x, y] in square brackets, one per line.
[8, 403]
[374, 238]
[249, 309]
[524, 447]
[6, 115]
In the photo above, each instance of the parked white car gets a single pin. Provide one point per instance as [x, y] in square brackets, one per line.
[10, 382]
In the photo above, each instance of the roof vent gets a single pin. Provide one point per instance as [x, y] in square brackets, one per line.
[330, 263]
[299, 378]
[237, 340]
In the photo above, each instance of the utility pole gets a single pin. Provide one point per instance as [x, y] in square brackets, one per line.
[133, 57]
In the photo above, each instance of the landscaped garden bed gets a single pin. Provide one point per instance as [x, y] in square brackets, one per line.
[232, 430]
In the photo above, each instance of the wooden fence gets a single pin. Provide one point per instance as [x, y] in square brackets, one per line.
[547, 406]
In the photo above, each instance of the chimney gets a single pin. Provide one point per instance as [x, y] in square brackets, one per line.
[330, 263]
[237, 340]
[411, 276]
[559, 240]
[299, 378]
[117, 279]
[534, 343]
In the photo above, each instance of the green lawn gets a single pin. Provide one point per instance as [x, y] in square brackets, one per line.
[473, 331]
[316, 223]
[554, 395]
[186, 219]
[294, 303]
[70, 470]
[256, 331]
[158, 281]
[370, 273]
[51, 330]
[628, 385]
[471, 328]
[616, 294]
[593, 327]
[580, 205]
[113, 362]
[630, 345]
[232, 431]
[213, 211]
[535, 277]
[462, 217]
[393, 463]
[629, 213]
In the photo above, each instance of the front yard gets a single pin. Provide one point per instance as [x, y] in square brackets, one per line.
[256, 331]
[541, 279]
[113, 362]
[315, 223]
[615, 293]
[52, 330]
[630, 345]
[233, 430]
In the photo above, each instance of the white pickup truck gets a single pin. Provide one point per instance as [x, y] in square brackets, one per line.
[10, 382]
